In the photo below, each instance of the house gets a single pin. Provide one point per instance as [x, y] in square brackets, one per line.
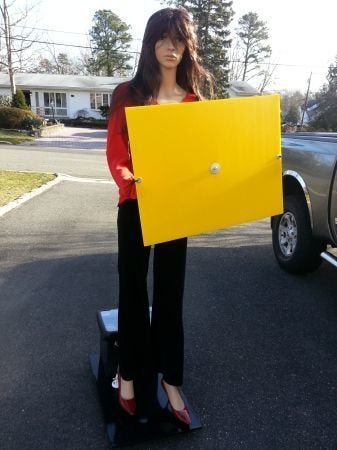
[308, 111]
[63, 96]
[69, 96]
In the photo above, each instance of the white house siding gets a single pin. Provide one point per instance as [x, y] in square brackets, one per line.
[5, 92]
[75, 89]
[75, 101]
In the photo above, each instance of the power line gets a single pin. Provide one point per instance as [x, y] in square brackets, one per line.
[60, 31]
[63, 45]
[137, 52]
[48, 29]
[278, 64]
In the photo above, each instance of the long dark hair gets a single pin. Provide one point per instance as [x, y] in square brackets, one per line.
[191, 76]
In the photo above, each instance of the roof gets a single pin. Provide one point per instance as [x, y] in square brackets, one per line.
[28, 81]
[31, 81]
[239, 88]
[311, 104]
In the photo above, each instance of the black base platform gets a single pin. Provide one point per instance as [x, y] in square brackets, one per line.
[153, 419]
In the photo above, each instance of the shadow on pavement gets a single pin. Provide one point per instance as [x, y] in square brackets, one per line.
[98, 134]
[260, 352]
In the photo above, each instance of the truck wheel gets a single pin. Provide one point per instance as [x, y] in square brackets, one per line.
[295, 249]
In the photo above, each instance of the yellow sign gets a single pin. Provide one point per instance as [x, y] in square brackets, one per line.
[205, 165]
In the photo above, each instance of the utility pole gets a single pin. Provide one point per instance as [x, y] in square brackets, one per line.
[306, 100]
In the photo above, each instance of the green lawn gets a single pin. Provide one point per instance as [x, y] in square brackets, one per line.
[14, 184]
[14, 137]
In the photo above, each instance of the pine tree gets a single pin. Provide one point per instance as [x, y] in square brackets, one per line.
[18, 100]
[110, 39]
[292, 116]
[251, 47]
[326, 117]
[212, 18]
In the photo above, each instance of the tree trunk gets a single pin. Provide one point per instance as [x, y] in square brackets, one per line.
[7, 29]
[245, 64]
[12, 81]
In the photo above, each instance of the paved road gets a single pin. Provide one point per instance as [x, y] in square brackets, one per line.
[75, 162]
[260, 345]
[74, 151]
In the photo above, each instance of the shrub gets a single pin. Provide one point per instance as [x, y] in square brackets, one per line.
[16, 118]
[104, 111]
[29, 122]
[86, 123]
[19, 101]
[5, 100]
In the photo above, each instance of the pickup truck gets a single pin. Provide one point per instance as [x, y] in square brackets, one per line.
[306, 232]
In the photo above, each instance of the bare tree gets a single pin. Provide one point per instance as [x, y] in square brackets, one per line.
[235, 55]
[83, 63]
[17, 37]
[56, 62]
[267, 74]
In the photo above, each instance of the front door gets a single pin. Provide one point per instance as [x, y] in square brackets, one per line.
[27, 95]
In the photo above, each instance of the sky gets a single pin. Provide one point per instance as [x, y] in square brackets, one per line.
[303, 34]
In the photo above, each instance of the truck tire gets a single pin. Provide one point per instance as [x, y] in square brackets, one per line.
[295, 248]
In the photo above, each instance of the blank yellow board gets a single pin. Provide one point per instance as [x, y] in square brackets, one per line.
[205, 165]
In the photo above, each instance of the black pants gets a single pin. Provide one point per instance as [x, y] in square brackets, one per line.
[160, 345]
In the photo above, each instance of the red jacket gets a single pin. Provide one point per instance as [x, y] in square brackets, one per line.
[118, 153]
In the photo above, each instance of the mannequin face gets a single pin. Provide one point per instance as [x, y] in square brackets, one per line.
[169, 51]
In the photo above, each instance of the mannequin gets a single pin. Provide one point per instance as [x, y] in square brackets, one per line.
[168, 72]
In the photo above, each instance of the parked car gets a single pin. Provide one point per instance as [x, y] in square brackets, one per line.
[308, 225]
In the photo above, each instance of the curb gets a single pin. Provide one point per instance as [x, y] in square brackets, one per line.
[37, 191]
[27, 196]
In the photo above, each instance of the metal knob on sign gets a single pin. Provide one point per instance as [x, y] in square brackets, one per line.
[214, 168]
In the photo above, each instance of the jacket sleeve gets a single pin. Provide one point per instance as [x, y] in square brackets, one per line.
[118, 155]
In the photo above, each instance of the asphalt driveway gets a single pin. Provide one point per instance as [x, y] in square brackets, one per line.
[261, 350]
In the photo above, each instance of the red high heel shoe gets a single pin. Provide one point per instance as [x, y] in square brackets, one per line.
[129, 406]
[181, 414]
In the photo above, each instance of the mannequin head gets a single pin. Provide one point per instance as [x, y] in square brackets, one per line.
[176, 24]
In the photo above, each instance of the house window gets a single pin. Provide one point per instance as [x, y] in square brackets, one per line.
[55, 103]
[99, 99]
[39, 111]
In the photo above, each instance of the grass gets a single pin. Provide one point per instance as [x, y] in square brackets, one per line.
[14, 137]
[14, 184]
